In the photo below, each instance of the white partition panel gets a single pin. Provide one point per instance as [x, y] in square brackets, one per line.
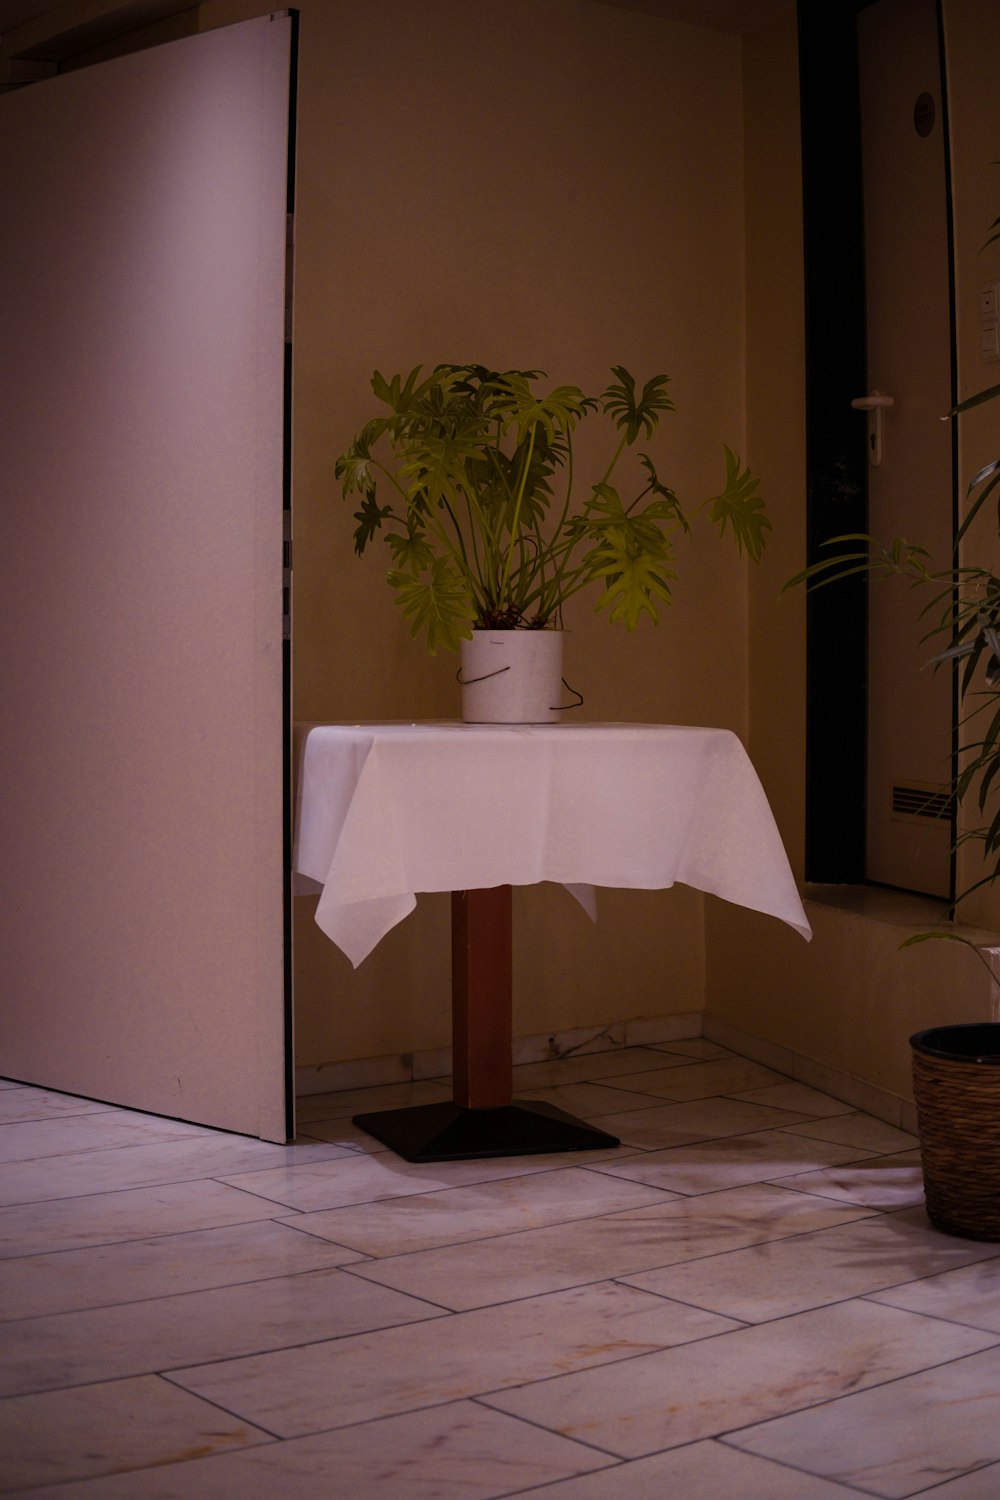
[142, 245]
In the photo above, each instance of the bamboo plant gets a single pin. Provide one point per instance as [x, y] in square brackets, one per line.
[469, 475]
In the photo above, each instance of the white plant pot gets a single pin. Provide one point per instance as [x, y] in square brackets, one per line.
[512, 677]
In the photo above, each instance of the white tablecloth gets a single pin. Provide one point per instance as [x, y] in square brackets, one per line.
[388, 810]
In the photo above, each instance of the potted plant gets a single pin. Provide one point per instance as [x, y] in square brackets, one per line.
[956, 1069]
[468, 473]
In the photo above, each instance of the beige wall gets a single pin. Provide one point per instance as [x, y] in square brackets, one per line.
[556, 185]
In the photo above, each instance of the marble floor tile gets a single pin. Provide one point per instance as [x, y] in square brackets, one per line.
[980, 1484]
[461, 1451]
[655, 1401]
[130, 1214]
[26, 1140]
[677, 1124]
[27, 1103]
[906, 1438]
[348, 1380]
[340, 1132]
[134, 1338]
[328, 1320]
[111, 1170]
[106, 1429]
[969, 1294]
[812, 1270]
[395, 1226]
[535, 1261]
[32, 1286]
[888, 1182]
[796, 1096]
[856, 1129]
[359, 1177]
[760, 1156]
[695, 1046]
[701, 1471]
[703, 1080]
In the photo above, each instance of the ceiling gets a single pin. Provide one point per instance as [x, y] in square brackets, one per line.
[722, 15]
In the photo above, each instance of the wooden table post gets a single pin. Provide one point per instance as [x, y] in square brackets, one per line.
[481, 1118]
[481, 923]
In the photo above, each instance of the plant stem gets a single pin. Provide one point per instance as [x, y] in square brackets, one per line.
[614, 460]
[515, 519]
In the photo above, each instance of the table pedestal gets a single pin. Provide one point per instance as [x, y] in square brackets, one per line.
[482, 1118]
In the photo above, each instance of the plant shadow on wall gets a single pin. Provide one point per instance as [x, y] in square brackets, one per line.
[956, 1069]
[468, 474]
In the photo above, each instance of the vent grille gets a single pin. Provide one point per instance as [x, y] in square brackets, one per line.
[914, 800]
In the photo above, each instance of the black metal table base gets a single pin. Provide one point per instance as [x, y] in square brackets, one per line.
[447, 1132]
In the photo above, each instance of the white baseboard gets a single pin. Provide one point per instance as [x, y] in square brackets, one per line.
[405, 1067]
[646, 1031]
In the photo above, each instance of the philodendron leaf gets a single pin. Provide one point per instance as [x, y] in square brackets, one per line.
[633, 414]
[441, 604]
[369, 519]
[354, 467]
[741, 508]
[410, 550]
[635, 577]
[640, 530]
[557, 412]
[402, 395]
[436, 467]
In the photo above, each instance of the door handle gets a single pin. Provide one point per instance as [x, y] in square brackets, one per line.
[874, 404]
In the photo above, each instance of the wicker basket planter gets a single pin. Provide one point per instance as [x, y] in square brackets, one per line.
[956, 1085]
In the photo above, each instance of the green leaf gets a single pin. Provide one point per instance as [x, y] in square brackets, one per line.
[354, 466]
[937, 937]
[990, 472]
[669, 507]
[441, 605]
[436, 467]
[411, 551]
[900, 557]
[990, 394]
[401, 396]
[554, 413]
[636, 577]
[641, 530]
[546, 458]
[369, 519]
[634, 414]
[741, 508]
